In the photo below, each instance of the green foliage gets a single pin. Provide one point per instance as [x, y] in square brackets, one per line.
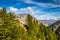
[51, 35]
[48, 33]
[34, 28]
[10, 28]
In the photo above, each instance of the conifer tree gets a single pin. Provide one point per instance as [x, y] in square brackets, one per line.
[49, 35]
[8, 26]
[33, 28]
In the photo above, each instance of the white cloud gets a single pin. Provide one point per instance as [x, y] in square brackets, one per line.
[48, 16]
[37, 13]
[13, 9]
[47, 5]
[21, 10]
[31, 10]
[0, 7]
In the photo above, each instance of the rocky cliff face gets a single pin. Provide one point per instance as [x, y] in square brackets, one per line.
[23, 17]
[56, 28]
[55, 25]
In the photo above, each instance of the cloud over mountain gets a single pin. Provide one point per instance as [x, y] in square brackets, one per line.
[40, 9]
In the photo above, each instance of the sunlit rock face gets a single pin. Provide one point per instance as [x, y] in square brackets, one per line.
[23, 17]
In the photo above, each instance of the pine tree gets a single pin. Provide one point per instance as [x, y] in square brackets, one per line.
[8, 26]
[33, 28]
[49, 35]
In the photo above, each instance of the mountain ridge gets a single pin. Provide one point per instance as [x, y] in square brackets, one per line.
[24, 16]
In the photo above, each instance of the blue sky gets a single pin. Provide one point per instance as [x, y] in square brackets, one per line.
[40, 9]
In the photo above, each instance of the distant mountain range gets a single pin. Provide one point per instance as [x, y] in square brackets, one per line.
[46, 22]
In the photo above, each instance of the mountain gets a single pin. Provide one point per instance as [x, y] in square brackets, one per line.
[24, 16]
[47, 22]
[55, 25]
[56, 28]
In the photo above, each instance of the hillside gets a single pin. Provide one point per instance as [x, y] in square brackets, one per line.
[24, 16]
[12, 28]
[55, 25]
[56, 28]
